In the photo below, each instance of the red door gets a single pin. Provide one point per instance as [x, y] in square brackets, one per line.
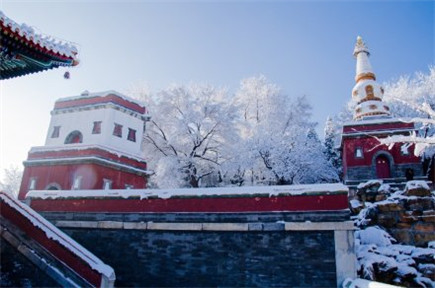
[382, 167]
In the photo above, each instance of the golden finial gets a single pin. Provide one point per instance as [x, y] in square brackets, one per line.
[360, 46]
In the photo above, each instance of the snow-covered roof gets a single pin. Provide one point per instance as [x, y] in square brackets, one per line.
[376, 120]
[55, 234]
[88, 100]
[48, 42]
[87, 94]
[313, 189]
[23, 51]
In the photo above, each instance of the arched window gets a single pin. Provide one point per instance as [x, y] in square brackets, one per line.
[359, 152]
[53, 186]
[74, 137]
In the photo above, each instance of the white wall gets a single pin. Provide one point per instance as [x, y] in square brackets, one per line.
[83, 121]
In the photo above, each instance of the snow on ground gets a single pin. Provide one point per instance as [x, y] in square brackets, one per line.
[374, 235]
[377, 255]
[369, 183]
[416, 184]
[379, 258]
[384, 188]
[355, 203]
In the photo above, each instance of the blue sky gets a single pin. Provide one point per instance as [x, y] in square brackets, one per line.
[303, 46]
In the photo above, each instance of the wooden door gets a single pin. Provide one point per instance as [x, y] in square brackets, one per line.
[382, 167]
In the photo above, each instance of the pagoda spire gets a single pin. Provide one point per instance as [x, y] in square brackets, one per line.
[367, 93]
[364, 69]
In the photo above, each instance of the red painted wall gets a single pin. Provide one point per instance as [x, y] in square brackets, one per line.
[197, 204]
[370, 148]
[92, 177]
[70, 153]
[377, 127]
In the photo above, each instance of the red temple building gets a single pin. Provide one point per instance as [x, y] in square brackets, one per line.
[93, 142]
[363, 156]
[22, 51]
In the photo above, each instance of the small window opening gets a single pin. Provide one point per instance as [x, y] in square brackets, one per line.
[32, 185]
[77, 183]
[117, 130]
[128, 186]
[359, 152]
[404, 149]
[107, 184]
[56, 130]
[131, 135]
[97, 127]
[53, 186]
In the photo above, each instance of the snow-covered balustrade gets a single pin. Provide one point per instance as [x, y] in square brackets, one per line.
[85, 264]
[316, 197]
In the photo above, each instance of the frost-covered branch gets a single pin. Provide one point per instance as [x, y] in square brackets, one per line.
[420, 143]
[417, 93]
[193, 128]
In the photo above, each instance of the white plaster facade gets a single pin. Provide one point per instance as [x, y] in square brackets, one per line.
[82, 119]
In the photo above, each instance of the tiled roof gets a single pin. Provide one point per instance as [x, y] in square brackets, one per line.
[23, 51]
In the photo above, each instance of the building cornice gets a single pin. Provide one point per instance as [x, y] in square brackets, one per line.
[83, 147]
[86, 160]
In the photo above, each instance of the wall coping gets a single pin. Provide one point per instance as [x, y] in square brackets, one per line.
[206, 226]
[245, 191]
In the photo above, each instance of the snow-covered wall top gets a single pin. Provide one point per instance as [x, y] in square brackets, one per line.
[89, 99]
[378, 120]
[42, 149]
[313, 189]
[46, 42]
[87, 95]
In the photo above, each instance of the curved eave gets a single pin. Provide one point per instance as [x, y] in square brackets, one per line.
[26, 34]
[25, 69]
[20, 56]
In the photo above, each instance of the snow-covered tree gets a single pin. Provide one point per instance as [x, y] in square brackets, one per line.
[413, 99]
[11, 180]
[313, 165]
[190, 134]
[331, 142]
[274, 149]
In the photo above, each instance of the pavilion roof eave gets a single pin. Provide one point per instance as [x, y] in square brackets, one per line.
[25, 52]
